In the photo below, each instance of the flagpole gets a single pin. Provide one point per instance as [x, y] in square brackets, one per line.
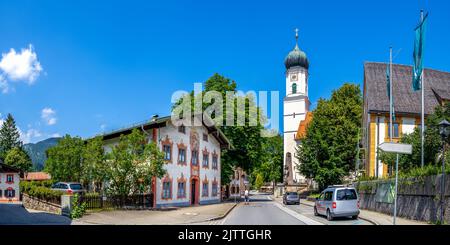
[423, 106]
[390, 94]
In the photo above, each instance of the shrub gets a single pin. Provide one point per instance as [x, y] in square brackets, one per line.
[78, 209]
[40, 191]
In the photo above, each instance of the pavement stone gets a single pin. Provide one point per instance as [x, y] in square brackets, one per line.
[179, 216]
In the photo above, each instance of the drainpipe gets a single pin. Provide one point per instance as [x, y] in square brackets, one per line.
[376, 145]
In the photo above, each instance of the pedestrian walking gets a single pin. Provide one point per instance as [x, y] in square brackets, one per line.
[246, 196]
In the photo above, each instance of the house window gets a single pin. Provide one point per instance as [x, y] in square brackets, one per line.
[395, 129]
[214, 189]
[10, 193]
[167, 152]
[205, 160]
[205, 190]
[1, 193]
[167, 190]
[181, 190]
[214, 162]
[205, 137]
[182, 129]
[9, 178]
[294, 88]
[194, 157]
[181, 155]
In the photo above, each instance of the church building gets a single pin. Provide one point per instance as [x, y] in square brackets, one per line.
[295, 110]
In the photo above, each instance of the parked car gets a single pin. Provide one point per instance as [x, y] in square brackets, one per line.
[291, 197]
[337, 201]
[68, 187]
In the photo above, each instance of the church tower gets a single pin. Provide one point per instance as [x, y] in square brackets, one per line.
[295, 107]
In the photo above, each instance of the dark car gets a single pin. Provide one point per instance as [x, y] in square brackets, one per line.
[291, 198]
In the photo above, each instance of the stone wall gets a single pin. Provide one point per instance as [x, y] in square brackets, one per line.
[418, 198]
[37, 204]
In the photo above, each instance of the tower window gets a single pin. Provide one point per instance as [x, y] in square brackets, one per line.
[294, 88]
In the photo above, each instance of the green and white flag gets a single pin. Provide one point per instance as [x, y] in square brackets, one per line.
[388, 79]
[419, 43]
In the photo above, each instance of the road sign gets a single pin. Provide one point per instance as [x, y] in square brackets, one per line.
[396, 148]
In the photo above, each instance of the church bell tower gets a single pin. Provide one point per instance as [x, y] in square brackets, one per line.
[295, 107]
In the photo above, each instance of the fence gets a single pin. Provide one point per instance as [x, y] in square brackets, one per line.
[139, 201]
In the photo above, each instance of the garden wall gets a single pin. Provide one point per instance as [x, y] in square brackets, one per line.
[418, 198]
[38, 204]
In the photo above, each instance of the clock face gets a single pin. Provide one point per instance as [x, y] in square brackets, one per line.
[293, 77]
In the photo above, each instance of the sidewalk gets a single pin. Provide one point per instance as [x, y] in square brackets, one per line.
[179, 216]
[377, 218]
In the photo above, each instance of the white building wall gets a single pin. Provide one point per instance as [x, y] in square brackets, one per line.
[408, 125]
[294, 111]
[176, 171]
[4, 186]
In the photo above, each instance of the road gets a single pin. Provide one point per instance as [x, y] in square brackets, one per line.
[262, 210]
[15, 214]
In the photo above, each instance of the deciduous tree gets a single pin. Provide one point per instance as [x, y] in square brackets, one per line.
[328, 151]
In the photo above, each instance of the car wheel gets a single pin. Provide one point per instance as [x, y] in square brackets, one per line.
[329, 217]
[355, 217]
[315, 212]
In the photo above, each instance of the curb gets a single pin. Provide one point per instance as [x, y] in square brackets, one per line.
[366, 219]
[224, 215]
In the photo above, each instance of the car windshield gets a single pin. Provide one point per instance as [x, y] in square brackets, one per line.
[346, 194]
[292, 194]
[76, 187]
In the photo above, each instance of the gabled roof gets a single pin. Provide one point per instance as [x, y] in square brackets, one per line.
[37, 176]
[406, 101]
[302, 127]
[8, 169]
[162, 122]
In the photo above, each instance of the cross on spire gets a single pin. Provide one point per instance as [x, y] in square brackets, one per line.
[296, 37]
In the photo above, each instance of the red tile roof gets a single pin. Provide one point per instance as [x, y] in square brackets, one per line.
[37, 176]
[301, 132]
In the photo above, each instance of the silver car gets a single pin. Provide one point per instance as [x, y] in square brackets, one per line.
[68, 187]
[291, 197]
[337, 201]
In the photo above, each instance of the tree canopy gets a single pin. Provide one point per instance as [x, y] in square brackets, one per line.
[432, 143]
[328, 152]
[248, 151]
[9, 136]
[19, 159]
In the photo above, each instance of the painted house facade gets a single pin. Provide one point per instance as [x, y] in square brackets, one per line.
[9, 183]
[192, 155]
[407, 106]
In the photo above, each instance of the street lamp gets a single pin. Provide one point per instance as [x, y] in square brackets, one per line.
[444, 131]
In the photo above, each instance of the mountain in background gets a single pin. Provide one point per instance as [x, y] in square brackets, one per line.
[36, 151]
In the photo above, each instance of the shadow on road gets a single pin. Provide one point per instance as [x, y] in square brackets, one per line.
[16, 214]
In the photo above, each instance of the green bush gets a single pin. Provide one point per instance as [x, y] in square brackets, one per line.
[41, 191]
[78, 209]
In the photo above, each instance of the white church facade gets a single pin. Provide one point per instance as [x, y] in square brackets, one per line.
[295, 109]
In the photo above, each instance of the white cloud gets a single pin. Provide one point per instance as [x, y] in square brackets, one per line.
[103, 127]
[30, 135]
[56, 135]
[48, 115]
[19, 66]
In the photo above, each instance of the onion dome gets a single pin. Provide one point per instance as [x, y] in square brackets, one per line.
[296, 57]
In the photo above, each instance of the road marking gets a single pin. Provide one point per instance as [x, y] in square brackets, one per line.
[302, 218]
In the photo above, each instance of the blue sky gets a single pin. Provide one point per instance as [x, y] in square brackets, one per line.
[106, 64]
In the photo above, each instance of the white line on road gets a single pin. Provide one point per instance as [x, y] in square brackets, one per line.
[302, 218]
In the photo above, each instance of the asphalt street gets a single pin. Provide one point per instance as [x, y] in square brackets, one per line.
[262, 210]
[15, 214]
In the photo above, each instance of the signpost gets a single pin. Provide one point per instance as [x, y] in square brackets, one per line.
[398, 149]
